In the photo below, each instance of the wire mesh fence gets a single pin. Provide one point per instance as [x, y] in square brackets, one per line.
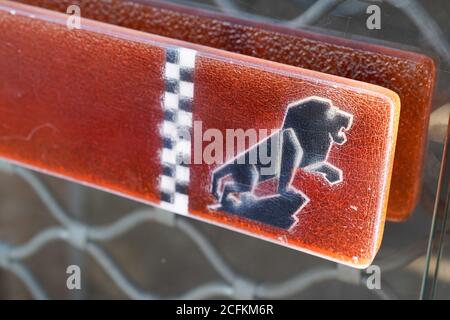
[87, 239]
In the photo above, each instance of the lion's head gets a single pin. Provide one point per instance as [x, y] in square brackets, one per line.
[317, 125]
[339, 121]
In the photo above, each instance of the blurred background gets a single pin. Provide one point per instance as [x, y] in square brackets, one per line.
[142, 255]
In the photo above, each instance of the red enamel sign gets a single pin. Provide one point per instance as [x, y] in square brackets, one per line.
[152, 118]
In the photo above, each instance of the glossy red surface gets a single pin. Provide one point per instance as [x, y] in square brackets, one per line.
[86, 105]
[81, 104]
[409, 74]
[340, 221]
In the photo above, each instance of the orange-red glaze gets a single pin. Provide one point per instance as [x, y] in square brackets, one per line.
[409, 74]
[86, 105]
[339, 221]
[80, 104]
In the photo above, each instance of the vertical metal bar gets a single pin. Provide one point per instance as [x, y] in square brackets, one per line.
[439, 225]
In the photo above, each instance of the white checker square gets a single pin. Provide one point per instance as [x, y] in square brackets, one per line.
[172, 71]
[182, 174]
[186, 89]
[169, 129]
[169, 156]
[167, 184]
[184, 118]
[187, 58]
[170, 100]
[181, 202]
[183, 147]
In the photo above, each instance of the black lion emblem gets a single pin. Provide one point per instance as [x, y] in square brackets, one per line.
[309, 130]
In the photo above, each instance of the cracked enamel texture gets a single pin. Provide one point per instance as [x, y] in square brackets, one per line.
[87, 105]
[327, 225]
[409, 74]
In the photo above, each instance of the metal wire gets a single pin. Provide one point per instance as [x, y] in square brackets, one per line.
[84, 238]
[426, 26]
[314, 13]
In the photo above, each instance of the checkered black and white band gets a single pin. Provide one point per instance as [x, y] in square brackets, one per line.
[177, 104]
